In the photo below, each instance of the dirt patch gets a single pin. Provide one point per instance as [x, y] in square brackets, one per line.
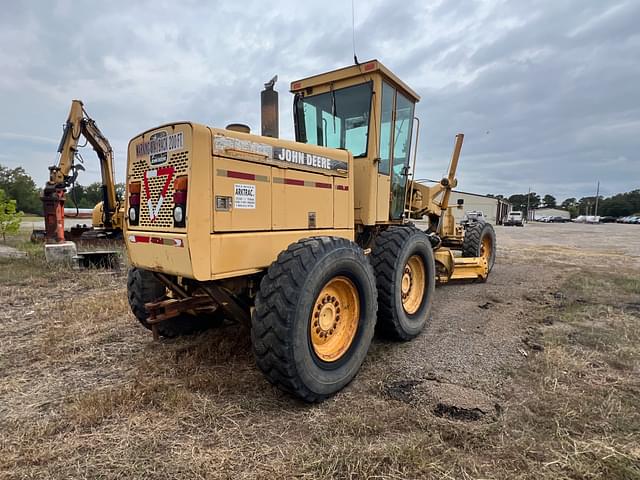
[458, 413]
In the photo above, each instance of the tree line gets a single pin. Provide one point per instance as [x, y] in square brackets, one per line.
[20, 187]
[619, 205]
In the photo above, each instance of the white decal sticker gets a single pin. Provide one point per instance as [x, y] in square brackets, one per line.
[220, 144]
[244, 195]
[159, 144]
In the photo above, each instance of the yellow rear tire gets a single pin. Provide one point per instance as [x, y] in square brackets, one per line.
[314, 317]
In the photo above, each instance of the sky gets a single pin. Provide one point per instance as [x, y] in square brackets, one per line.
[547, 93]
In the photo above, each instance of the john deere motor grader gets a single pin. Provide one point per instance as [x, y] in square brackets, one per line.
[309, 241]
[107, 215]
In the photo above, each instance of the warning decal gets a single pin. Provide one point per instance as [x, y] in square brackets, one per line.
[244, 196]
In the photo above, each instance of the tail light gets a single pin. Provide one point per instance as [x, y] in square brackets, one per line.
[134, 203]
[180, 201]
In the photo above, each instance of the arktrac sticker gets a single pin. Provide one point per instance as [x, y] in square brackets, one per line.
[159, 144]
[244, 195]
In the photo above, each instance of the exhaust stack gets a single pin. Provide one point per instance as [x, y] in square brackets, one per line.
[269, 109]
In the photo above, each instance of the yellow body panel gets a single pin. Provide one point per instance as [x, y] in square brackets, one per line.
[242, 219]
[244, 253]
[161, 252]
[382, 197]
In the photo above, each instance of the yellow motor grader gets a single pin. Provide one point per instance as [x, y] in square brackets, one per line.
[310, 241]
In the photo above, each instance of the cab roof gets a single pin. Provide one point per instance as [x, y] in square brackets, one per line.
[365, 68]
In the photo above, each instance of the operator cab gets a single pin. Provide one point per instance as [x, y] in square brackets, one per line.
[369, 111]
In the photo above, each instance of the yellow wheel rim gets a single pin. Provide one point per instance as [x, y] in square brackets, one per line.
[486, 247]
[413, 284]
[334, 319]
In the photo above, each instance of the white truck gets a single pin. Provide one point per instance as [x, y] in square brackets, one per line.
[514, 219]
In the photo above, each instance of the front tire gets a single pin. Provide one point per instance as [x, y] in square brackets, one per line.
[402, 258]
[314, 317]
[480, 241]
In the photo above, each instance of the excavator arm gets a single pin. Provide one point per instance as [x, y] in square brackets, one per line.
[63, 175]
[433, 201]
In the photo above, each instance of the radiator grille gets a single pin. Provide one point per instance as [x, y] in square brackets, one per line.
[164, 220]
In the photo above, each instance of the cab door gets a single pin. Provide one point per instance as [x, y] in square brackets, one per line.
[396, 126]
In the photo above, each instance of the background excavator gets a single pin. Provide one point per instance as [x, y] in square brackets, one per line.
[107, 215]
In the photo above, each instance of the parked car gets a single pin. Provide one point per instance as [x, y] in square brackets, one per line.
[607, 219]
[587, 219]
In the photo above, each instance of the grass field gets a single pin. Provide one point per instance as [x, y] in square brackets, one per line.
[531, 375]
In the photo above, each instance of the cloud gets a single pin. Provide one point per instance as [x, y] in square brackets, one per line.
[545, 92]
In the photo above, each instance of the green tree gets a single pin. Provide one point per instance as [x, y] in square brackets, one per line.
[19, 186]
[9, 217]
[571, 205]
[621, 205]
[549, 201]
[93, 194]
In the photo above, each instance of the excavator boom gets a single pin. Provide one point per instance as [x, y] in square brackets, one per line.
[63, 175]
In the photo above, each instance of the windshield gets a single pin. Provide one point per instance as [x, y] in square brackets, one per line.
[336, 119]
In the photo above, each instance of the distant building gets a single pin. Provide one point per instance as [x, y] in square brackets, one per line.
[494, 209]
[549, 212]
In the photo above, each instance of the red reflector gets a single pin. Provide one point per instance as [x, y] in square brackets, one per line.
[180, 197]
[369, 66]
[134, 199]
[296, 85]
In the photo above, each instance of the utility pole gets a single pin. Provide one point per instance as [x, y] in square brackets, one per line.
[597, 195]
[528, 195]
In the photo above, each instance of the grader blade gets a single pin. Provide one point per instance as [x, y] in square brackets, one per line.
[474, 268]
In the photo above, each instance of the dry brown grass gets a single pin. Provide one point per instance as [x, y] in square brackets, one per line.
[85, 393]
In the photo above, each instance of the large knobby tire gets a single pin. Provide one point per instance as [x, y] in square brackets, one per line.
[314, 317]
[143, 287]
[402, 258]
[480, 241]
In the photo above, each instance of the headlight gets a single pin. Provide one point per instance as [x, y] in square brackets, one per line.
[178, 214]
[132, 214]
